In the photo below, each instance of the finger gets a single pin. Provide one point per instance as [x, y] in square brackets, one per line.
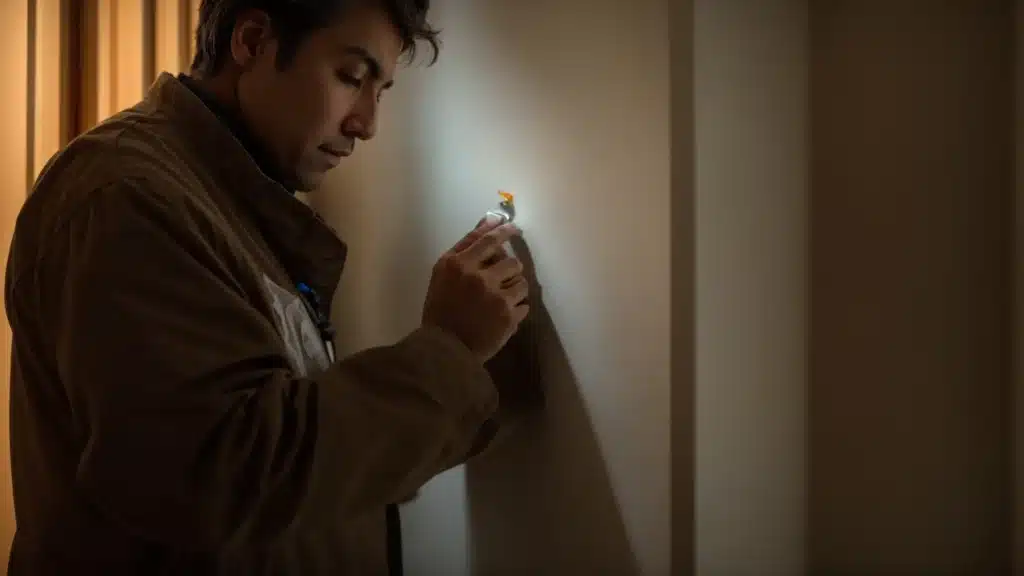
[503, 271]
[488, 223]
[485, 225]
[489, 244]
[516, 292]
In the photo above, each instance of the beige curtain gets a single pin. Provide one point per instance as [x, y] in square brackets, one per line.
[69, 64]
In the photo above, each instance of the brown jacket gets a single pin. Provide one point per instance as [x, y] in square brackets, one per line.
[173, 409]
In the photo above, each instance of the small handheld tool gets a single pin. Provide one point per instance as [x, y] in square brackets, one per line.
[506, 210]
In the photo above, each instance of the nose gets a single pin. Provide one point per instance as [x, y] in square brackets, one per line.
[362, 119]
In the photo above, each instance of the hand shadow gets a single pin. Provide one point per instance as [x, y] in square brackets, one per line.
[516, 368]
[541, 502]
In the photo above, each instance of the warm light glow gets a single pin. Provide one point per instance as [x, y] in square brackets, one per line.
[172, 41]
[128, 79]
[14, 172]
[43, 89]
[105, 75]
[193, 22]
[47, 119]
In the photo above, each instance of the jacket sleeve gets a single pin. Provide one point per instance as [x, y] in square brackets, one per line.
[194, 431]
[517, 370]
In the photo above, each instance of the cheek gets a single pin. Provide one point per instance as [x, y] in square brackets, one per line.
[300, 115]
[337, 102]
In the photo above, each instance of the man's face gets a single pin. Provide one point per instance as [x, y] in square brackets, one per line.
[310, 114]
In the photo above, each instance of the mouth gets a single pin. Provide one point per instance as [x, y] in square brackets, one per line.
[336, 153]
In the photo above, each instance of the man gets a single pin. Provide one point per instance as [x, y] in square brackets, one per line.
[176, 405]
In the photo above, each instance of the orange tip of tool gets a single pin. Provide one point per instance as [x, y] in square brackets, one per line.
[506, 196]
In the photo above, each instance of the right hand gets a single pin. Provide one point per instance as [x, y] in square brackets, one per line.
[477, 292]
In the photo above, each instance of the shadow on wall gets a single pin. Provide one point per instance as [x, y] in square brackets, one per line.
[542, 502]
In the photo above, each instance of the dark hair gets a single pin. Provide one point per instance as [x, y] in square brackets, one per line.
[294, 20]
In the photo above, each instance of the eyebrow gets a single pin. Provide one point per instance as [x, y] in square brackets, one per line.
[376, 70]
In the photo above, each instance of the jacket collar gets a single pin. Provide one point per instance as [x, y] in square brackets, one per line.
[306, 246]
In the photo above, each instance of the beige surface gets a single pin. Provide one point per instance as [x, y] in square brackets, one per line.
[751, 162]
[683, 204]
[911, 227]
[570, 111]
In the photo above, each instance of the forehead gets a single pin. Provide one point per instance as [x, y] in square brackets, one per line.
[362, 30]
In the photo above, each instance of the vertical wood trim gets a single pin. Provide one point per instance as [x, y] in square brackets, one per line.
[49, 111]
[88, 79]
[186, 31]
[15, 171]
[149, 47]
[131, 53]
[71, 69]
[171, 29]
[30, 96]
[106, 48]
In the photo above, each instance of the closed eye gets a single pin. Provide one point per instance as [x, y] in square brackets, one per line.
[350, 80]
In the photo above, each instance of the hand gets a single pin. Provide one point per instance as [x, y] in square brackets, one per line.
[477, 291]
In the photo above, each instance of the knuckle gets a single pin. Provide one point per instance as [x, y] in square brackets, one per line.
[460, 268]
[476, 281]
[506, 313]
[489, 241]
[446, 263]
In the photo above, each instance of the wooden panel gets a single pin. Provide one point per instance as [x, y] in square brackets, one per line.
[102, 78]
[124, 44]
[172, 35]
[69, 64]
[128, 80]
[47, 85]
[14, 171]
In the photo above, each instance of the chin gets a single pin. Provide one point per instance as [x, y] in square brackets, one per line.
[308, 182]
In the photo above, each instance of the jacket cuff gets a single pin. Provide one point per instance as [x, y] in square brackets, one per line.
[464, 381]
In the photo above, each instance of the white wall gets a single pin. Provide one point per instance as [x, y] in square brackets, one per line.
[905, 407]
[751, 164]
[567, 105]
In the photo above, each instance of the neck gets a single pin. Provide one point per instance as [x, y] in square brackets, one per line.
[221, 97]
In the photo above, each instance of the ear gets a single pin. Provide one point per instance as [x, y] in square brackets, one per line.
[251, 38]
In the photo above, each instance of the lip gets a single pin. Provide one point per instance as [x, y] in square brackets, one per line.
[338, 154]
